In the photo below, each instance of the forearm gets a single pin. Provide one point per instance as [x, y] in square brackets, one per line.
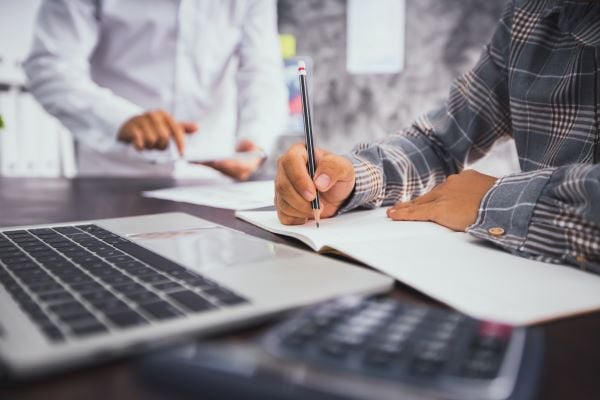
[400, 167]
[551, 215]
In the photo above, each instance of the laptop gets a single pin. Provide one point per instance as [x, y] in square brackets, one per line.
[82, 292]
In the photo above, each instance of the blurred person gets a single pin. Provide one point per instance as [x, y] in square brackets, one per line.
[138, 82]
[537, 81]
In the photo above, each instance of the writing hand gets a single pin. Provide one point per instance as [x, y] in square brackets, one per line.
[294, 189]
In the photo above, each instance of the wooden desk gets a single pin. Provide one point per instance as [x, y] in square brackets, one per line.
[573, 345]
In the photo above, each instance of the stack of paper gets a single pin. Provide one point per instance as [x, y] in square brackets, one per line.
[233, 196]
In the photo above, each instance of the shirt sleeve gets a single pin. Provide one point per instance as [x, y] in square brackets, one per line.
[476, 114]
[551, 215]
[59, 77]
[262, 94]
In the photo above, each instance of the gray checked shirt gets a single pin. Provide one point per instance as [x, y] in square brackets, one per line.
[537, 81]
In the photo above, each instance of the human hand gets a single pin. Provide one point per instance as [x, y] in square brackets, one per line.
[239, 169]
[294, 189]
[154, 129]
[453, 204]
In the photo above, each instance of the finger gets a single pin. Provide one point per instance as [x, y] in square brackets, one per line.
[233, 168]
[161, 129]
[189, 127]
[284, 189]
[246, 146]
[332, 169]
[293, 165]
[289, 220]
[426, 198]
[305, 210]
[176, 133]
[150, 137]
[423, 212]
[137, 138]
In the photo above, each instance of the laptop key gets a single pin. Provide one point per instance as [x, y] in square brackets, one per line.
[87, 287]
[191, 300]
[41, 231]
[164, 286]
[56, 297]
[52, 333]
[88, 329]
[129, 288]
[86, 259]
[140, 271]
[66, 230]
[99, 296]
[156, 278]
[46, 288]
[15, 260]
[21, 266]
[119, 259]
[75, 279]
[143, 297]
[111, 306]
[116, 279]
[15, 233]
[109, 253]
[125, 319]
[61, 245]
[67, 308]
[81, 318]
[161, 310]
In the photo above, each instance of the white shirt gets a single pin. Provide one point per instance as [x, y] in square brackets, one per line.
[96, 63]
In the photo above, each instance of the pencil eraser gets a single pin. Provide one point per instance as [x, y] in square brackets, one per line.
[301, 66]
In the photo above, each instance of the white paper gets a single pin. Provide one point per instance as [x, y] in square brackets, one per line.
[375, 36]
[233, 196]
[467, 274]
[332, 232]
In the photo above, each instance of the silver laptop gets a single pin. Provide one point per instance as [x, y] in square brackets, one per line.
[87, 291]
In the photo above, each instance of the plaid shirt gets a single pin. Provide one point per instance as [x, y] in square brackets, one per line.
[537, 81]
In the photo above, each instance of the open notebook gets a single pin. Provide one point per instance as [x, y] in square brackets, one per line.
[465, 273]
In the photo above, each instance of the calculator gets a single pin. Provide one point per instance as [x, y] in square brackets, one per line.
[364, 348]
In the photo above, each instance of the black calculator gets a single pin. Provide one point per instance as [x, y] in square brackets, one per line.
[364, 348]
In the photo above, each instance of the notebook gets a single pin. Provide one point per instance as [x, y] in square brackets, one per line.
[468, 274]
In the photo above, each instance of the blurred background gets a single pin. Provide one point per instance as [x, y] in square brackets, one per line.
[441, 39]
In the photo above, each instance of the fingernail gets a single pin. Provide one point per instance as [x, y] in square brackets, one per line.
[322, 182]
[308, 196]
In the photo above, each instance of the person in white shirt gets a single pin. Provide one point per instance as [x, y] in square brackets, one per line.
[133, 79]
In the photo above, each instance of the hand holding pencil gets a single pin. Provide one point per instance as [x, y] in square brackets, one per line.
[295, 189]
[310, 182]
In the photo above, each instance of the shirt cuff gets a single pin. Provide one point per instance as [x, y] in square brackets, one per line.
[506, 209]
[368, 187]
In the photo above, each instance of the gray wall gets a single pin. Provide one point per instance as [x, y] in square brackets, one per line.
[443, 39]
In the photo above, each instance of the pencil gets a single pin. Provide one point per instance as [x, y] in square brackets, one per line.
[310, 146]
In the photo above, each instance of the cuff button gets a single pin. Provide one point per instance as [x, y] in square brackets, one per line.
[496, 232]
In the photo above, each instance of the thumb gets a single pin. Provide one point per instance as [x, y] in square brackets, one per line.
[189, 127]
[332, 169]
[245, 145]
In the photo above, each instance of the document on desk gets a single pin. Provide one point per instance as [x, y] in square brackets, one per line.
[233, 196]
[468, 274]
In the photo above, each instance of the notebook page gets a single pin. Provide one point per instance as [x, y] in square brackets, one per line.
[357, 226]
[481, 280]
[468, 274]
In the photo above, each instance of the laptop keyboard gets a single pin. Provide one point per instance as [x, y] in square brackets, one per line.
[77, 281]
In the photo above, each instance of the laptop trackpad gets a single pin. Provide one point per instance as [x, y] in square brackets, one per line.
[210, 249]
